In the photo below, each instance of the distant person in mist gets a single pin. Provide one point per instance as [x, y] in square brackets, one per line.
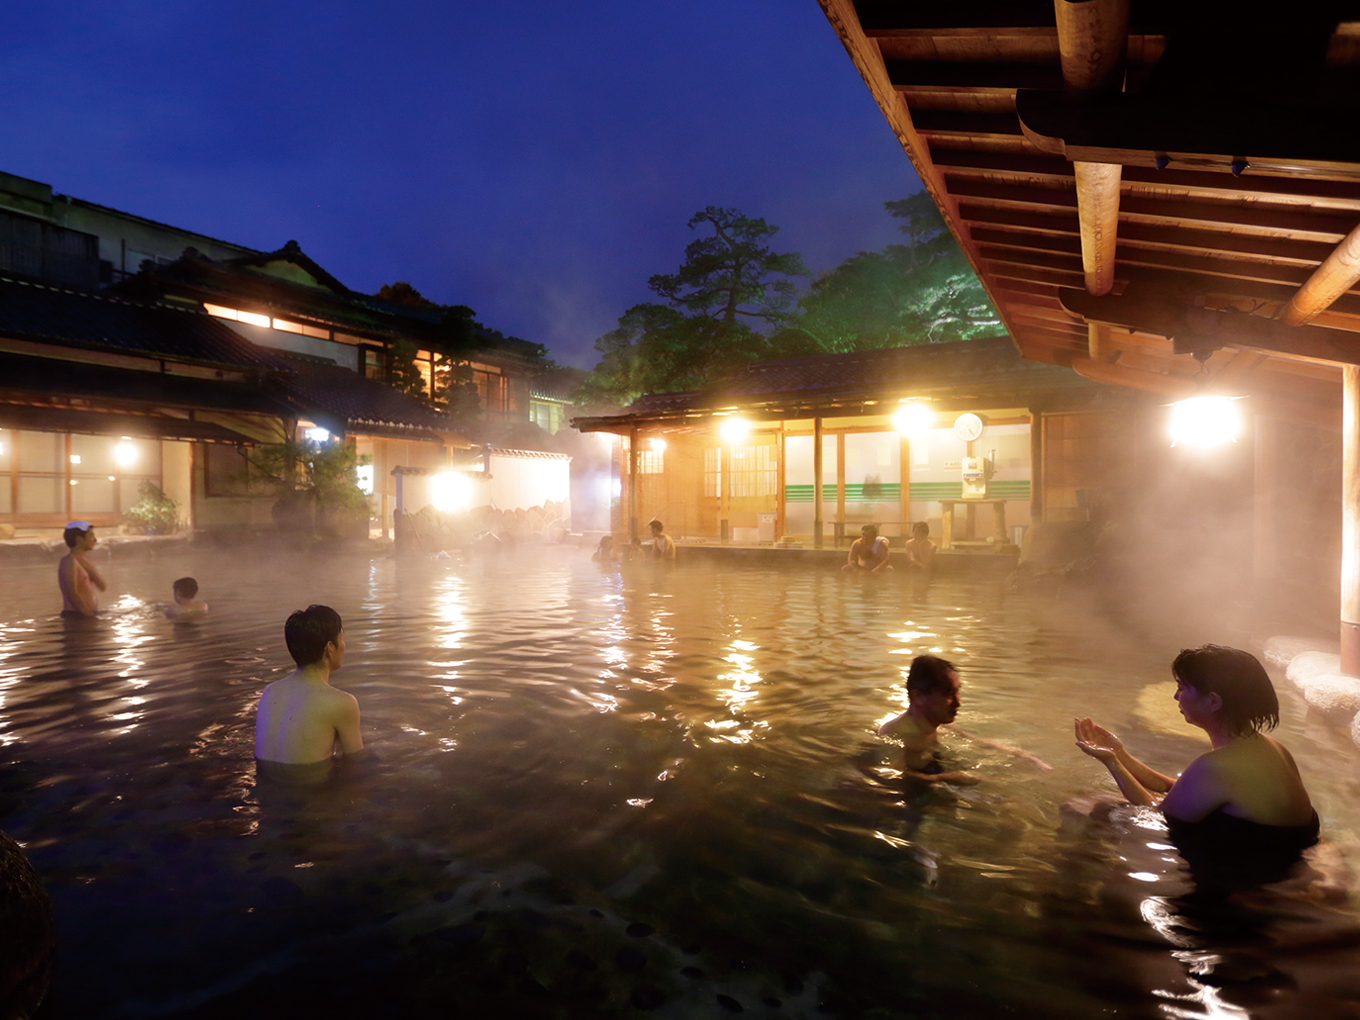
[1239, 813]
[933, 701]
[604, 552]
[77, 577]
[869, 552]
[663, 548]
[186, 604]
[302, 720]
[920, 550]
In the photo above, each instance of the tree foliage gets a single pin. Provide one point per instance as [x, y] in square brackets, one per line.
[920, 292]
[451, 388]
[731, 280]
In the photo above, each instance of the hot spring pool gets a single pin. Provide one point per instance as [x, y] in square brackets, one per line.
[623, 794]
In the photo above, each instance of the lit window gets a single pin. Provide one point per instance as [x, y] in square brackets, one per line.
[650, 462]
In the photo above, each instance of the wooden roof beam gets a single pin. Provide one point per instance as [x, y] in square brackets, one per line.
[1193, 328]
[1338, 273]
[1093, 40]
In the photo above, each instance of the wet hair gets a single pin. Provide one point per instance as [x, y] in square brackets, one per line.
[606, 542]
[869, 529]
[657, 525]
[185, 588]
[308, 632]
[1240, 681]
[928, 674]
[72, 536]
[920, 528]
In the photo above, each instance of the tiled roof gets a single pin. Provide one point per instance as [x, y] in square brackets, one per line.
[362, 405]
[921, 367]
[71, 318]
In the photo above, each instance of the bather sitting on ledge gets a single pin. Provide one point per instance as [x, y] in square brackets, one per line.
[1239, 813]
[302, 719]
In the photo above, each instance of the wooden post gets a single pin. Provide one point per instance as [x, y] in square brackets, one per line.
[724, 487]
[781, 480]
[632, 483]
[1265, 534]
[1036, 467]
[817, 482]
[1350, 521]
[840, 487]
[904, 478]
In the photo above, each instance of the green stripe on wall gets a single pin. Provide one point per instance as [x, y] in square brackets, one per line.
[921, 492]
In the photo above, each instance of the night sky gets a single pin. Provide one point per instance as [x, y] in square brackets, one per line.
[537, 161]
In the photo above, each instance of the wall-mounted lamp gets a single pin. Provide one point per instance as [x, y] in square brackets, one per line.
[125, 454]
[316, 435]
[656, 444]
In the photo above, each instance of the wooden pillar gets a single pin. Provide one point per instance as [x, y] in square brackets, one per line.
[904, 478]
[840, 487]
[632, 484]
[724, 489]
[817, 482]
[781, 480]
[1350, 521]
[1036, 467]
[1265, 533]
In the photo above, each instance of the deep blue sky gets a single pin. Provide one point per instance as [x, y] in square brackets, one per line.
[537, 161]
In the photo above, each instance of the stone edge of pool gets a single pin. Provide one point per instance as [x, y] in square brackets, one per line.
[1313, 666]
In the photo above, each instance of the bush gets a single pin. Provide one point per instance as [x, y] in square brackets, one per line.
[156, 512]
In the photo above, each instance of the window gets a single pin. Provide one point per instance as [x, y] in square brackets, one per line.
[650, 462]
[226, 471]
[492, 391]
[753, 471]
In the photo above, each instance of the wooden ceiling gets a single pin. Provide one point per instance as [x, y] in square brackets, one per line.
[1155, 190]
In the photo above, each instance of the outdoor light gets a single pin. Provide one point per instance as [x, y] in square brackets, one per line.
[75, 458]
[1204, 422]
[913, 419]
[363, 476]
[733, 429]
[450, 490]
[316, 435]
[125, 455]
[657, 444]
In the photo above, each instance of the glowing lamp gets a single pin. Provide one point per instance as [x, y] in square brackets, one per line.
[75, 458]
[363, 477]
[125, 455]
[1204, 422]
[657, 444]
[734, 429]
[450, 491]
[913, 419]
[316, 435]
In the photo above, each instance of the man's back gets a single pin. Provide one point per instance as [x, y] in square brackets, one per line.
[300, 720]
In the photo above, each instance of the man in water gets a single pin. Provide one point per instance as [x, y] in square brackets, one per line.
[662, 546]
[302, 719]
[76, 575]
[869, 551]
[920, 550]
[932, 704]
[186, 604]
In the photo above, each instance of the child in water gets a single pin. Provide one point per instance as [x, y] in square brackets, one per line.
[186, 601]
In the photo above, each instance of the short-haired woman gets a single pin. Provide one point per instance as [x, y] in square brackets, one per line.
[1239, 813]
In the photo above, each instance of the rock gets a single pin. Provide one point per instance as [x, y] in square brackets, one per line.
[1318, 675]
[6, 531]
[1280, 651]
[27, 933]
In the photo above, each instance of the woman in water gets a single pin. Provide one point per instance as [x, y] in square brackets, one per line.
[1239, 813]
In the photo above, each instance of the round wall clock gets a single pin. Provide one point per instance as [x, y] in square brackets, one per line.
[967, 427]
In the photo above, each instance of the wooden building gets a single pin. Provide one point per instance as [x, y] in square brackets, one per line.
[1160, 196]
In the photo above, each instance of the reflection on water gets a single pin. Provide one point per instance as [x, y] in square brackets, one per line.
[604, 791]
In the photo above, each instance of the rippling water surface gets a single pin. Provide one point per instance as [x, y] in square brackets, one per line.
[601, 793]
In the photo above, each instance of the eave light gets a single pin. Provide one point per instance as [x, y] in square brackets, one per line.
[913, 419]
[734, 429]
[1204, 422]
